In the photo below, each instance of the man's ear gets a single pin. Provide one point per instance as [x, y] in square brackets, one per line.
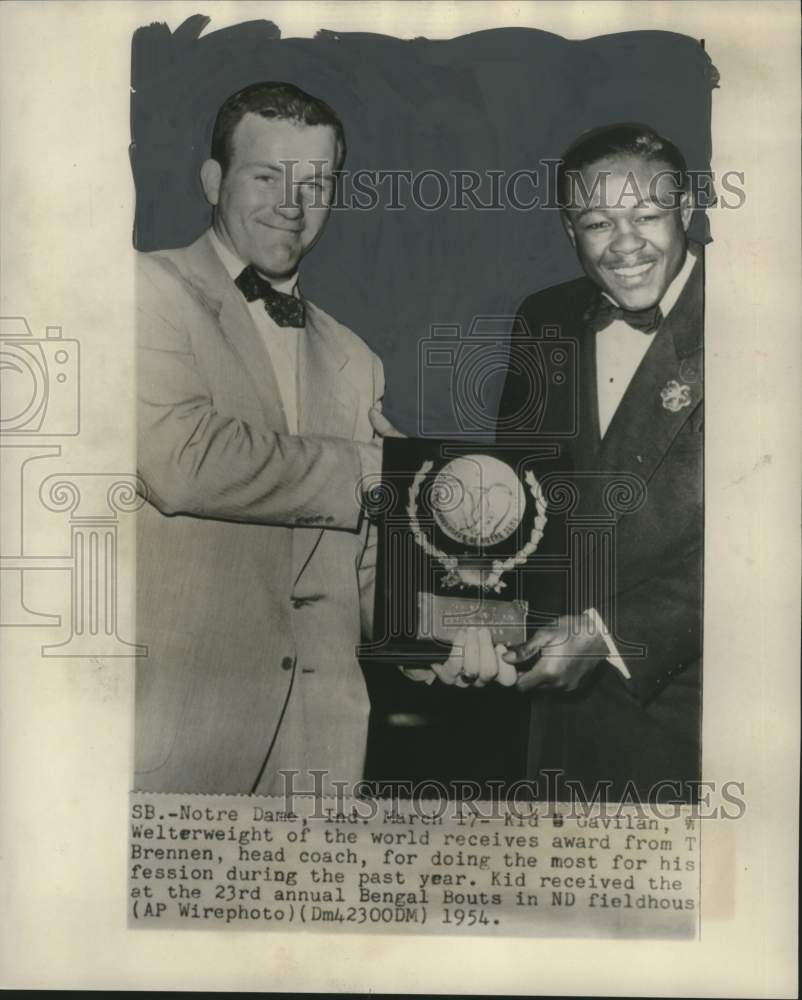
[685, 209]
[568, 226]
[211, 177]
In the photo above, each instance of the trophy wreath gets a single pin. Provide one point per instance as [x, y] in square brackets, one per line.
[476, 501]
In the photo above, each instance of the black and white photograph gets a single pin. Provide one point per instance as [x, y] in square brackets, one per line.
[434, 311]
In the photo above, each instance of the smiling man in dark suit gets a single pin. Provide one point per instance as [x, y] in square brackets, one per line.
[623, 666]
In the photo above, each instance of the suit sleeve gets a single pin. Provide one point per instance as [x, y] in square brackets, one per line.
[367, 562]
[537, 399]
[516, 386]
[193, 460]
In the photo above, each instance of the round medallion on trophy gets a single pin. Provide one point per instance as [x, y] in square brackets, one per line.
[477, 500]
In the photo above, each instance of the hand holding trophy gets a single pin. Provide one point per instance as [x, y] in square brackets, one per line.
[459, 527]
[473, 660]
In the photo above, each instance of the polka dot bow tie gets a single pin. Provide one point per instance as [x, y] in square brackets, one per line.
[604, 312]
[283, 309]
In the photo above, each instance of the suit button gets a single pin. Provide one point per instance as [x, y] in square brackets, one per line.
[287, 663]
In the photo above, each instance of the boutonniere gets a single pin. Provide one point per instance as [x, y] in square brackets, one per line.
[675, 396]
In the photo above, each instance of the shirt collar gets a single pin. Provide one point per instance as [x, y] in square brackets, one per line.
[234, 265]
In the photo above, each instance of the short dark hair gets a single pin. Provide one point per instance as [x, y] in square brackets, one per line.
[281, 101]
[623, 138]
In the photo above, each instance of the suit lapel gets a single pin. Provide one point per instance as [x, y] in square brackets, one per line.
[206, 271]
[327, 406]
[665, 390]
[327, 403]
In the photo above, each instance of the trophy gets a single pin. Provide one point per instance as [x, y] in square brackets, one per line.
[463, 531]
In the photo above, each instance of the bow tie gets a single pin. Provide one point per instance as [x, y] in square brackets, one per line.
[604, 312]
[283, 309]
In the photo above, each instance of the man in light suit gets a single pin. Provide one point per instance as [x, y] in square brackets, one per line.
[626, 716]
[255, 563]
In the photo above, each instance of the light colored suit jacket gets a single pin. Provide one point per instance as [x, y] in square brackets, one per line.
[255, 563]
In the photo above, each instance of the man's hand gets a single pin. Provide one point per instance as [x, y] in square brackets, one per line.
[563, 654]
[472, 662]
[381, 425]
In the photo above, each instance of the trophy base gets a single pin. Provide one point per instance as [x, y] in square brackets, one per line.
[440, 618]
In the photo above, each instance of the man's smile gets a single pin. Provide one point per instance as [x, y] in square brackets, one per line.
[631, 275]
[281, 229]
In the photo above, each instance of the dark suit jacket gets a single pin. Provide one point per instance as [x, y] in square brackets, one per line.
[646, 729]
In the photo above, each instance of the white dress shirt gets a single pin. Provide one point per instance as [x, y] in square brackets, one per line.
[281, 342]
[619, 351]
